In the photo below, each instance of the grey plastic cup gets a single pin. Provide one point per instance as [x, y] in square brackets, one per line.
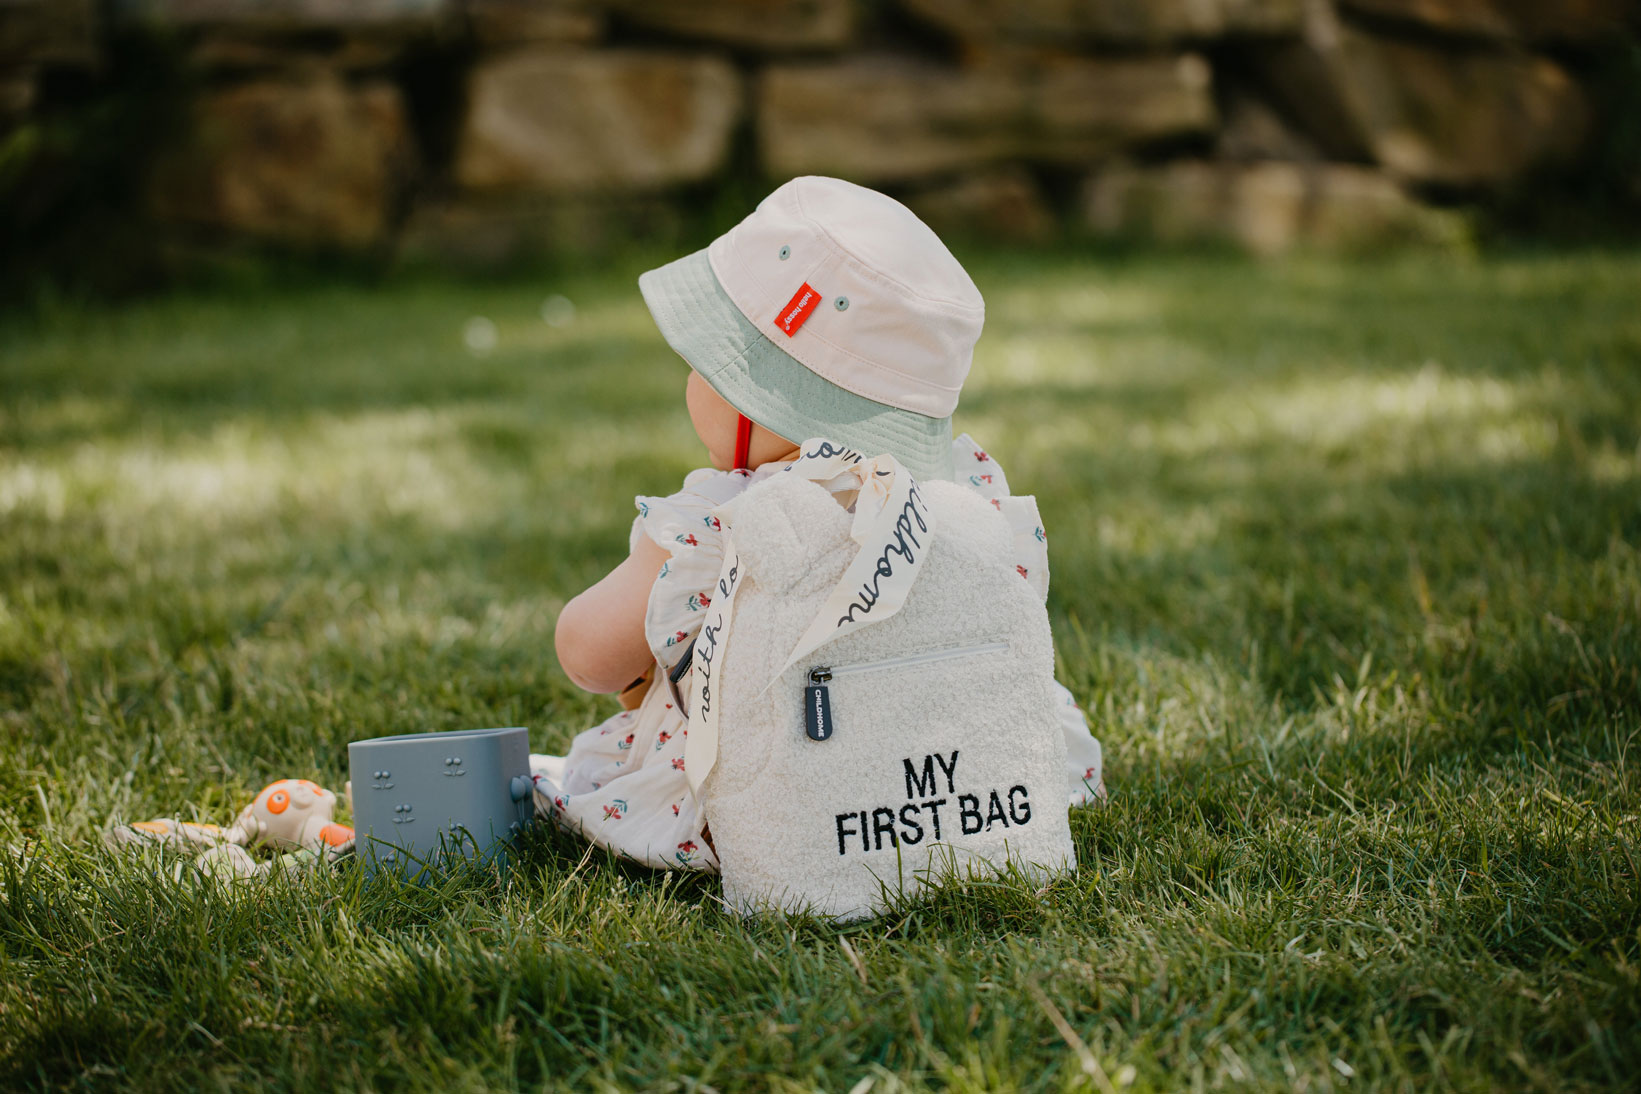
[421, 800]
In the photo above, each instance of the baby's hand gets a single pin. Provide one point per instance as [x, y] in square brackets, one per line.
[600, 634]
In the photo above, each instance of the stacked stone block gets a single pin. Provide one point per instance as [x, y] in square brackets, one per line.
[1271, 124]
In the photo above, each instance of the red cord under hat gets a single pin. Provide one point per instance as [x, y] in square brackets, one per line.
[743, 441]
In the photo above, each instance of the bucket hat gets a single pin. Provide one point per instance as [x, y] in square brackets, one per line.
[830, 311]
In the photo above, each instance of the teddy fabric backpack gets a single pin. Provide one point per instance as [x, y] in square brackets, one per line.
[872, 702]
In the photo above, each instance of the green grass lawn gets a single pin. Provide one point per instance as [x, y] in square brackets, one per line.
[1347, 570]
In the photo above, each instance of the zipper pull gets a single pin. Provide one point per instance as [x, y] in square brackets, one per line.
[817, 705]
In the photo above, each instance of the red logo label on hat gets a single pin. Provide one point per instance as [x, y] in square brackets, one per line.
[799, 308]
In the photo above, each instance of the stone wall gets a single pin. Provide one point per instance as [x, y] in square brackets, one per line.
[483, 128]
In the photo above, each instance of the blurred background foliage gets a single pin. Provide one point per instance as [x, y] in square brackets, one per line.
[147, 141]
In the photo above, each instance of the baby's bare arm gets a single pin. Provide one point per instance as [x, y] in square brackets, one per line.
[600, 634]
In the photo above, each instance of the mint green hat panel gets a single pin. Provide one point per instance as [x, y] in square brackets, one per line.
[762, 381]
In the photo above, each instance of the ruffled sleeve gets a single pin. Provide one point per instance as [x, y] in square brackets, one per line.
[979, 472]
[683, 525]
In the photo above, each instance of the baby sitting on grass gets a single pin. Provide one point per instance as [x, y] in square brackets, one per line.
[875, 363]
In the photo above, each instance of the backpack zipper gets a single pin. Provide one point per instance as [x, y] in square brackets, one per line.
[817, 701]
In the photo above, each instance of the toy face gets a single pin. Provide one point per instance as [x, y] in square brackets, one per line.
[302, 793]
[278, 798]
[287, 813]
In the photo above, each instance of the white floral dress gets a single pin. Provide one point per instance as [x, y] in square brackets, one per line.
[622, 785]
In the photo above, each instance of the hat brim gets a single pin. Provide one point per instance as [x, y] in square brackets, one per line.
[703, 325]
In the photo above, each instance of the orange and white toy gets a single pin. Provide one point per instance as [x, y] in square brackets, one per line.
[290, 815]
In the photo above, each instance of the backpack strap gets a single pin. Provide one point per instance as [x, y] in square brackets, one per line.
[706, 654]
[893, 526]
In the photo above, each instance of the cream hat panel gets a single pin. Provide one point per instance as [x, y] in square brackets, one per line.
[898, 315]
